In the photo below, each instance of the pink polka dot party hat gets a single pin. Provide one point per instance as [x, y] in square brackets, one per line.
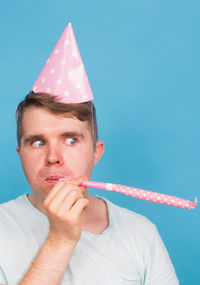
[63, 74]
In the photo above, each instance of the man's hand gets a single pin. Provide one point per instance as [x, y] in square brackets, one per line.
[64, 205]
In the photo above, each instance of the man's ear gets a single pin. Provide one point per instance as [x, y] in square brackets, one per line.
[17, 149]
[98, 151]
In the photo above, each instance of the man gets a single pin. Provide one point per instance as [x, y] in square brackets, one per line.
[61, 234]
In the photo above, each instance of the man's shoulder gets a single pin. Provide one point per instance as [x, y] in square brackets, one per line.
[13, 208]
[19, 217]
[13, 202]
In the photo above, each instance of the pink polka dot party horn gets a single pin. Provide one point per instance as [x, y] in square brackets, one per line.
[142, 194]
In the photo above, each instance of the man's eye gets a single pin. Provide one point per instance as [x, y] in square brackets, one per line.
[70, 141]
[37, 143]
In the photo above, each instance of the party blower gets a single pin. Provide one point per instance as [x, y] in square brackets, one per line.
[141, 194]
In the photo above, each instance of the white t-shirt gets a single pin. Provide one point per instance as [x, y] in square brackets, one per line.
[129, 252]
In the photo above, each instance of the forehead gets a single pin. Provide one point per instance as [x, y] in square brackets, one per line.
[40, 120]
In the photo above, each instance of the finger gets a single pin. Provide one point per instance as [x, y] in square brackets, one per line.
[50, 196]
[66, 197]
[78, 181]
[68, 202]
[84, 178]
[57, 189]
[78, 208]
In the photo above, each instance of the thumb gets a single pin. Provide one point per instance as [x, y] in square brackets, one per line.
[83, 178]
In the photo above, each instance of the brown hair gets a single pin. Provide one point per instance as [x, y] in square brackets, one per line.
[82, 111]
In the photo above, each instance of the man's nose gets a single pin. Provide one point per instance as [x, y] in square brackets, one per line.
[53, 156]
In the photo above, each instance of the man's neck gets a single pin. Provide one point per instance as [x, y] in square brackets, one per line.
[94, 218]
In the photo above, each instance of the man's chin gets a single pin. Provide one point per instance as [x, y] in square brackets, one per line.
[44, 189]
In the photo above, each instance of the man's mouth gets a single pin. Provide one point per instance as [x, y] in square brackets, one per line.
[53, 179]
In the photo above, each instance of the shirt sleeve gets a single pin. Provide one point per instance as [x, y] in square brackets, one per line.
[3, 279]
[159, 268]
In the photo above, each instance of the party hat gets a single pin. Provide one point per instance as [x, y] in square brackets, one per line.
[63, 75]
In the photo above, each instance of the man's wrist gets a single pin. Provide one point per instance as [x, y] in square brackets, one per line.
[60, 243]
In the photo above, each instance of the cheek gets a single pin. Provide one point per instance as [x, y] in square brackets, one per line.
[30, 164]
[81, 161]
[87, 161]
[31, 169]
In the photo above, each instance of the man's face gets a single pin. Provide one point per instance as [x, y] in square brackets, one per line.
[53, 147]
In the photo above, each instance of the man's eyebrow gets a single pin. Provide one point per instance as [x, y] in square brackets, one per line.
[72, 134]
[33, 138]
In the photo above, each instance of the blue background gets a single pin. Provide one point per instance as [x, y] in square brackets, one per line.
[142, 59]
